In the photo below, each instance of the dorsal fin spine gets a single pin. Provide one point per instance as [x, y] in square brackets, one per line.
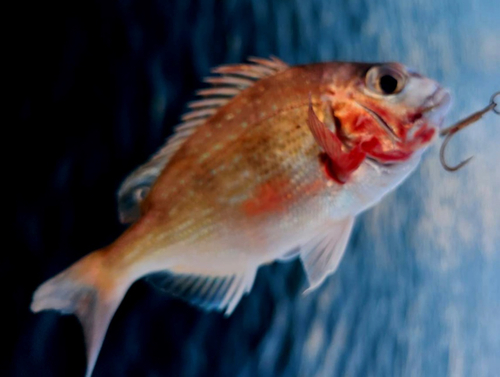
[239, 81]
[199, 113]
[208, 102]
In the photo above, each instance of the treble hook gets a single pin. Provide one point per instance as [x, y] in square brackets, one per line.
[452, 130]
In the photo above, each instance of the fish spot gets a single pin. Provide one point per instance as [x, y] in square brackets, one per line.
[208, 134]
[262, 114]
[204, 156]
[229, 116]
[244, 125]
[245, 174]
[218, 147]
[218, 125]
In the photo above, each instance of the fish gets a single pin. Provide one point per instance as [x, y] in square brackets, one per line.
[272, 163]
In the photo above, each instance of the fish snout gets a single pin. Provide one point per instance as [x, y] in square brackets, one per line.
[436, 107]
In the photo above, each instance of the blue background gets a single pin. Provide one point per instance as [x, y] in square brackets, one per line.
[99, 86]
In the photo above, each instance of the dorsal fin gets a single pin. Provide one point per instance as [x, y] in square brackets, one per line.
[232, 80]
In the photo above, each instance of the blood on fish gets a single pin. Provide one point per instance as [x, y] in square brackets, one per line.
[373, 148]
[425, 134]
[413, 117]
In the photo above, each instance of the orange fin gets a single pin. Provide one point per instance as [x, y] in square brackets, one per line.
[341, 164]
[80, 290]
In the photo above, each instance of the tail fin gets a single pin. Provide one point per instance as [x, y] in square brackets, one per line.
[86, 290]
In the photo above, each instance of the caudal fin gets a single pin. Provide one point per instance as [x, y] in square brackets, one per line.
[86, 290]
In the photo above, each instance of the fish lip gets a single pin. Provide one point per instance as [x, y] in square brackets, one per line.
[438, 98]
[436, 106]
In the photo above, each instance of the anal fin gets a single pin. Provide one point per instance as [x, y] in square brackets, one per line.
[220, 293]
[322, 254]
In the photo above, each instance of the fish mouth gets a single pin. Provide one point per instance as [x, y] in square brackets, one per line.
[436, 106]
[433, 111]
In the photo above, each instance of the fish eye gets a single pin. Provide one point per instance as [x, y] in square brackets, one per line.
[385, 80]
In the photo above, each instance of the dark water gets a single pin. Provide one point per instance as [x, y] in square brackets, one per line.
[98, 86]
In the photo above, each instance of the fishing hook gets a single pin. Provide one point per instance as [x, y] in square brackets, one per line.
[452, 130]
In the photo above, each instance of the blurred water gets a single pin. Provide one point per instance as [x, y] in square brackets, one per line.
[99, 86]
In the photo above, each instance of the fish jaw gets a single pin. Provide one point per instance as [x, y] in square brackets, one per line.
[430, 119]
[435, 108]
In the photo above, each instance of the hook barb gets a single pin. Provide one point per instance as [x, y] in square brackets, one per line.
[443, 159]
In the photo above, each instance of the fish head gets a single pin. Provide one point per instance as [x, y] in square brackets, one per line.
[393, 111]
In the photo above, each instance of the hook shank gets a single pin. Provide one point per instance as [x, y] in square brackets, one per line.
[449, 132]
[473, 118]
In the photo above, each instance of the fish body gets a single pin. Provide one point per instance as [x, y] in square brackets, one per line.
[275, 162]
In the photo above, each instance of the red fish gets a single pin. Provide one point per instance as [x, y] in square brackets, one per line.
[274, 162]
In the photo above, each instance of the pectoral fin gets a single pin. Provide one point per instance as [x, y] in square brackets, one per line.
[341, 163]
[322, 254]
